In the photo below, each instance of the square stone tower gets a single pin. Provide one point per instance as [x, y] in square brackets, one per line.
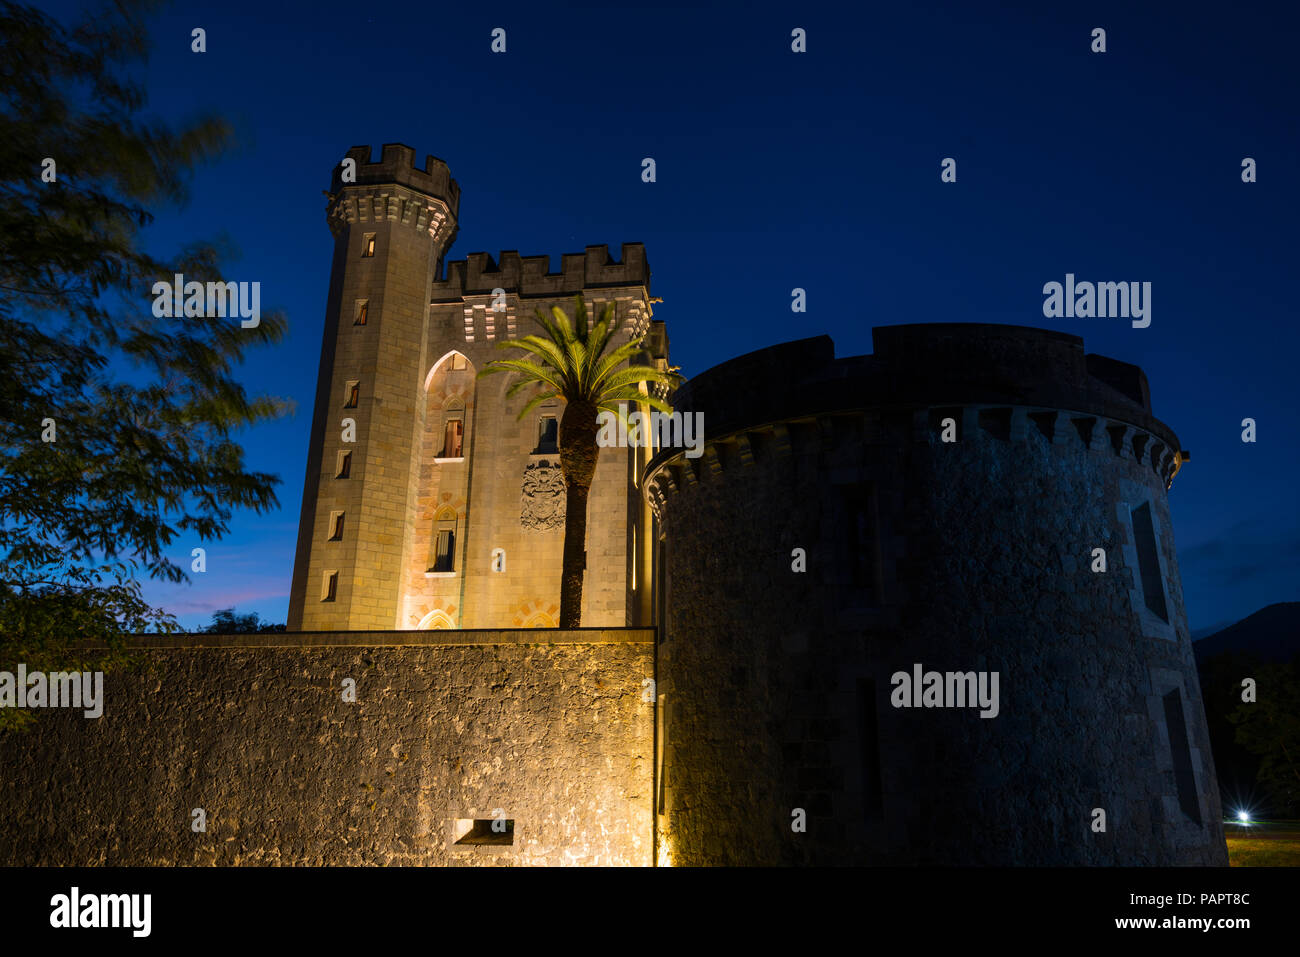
[427, 502]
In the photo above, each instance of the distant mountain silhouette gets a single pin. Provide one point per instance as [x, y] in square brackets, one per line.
[1270, 634]
[1214, 629]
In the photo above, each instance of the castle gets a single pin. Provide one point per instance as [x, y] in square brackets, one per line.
[982, 503]
[438, 509]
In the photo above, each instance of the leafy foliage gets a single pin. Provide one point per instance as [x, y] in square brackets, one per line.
[226, 622]
[1270, 728]
[571, 363]
[574, 366]
[142, 411]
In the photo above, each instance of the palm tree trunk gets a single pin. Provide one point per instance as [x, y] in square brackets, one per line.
[575, 554]
[578, 452]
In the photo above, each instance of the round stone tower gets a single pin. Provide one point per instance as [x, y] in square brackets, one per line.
[923, 607]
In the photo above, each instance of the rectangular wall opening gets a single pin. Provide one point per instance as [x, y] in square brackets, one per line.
[858, 502]
[548, 435]
[869, 736]
[1184, 777]
[489, 831]
[1144, 539]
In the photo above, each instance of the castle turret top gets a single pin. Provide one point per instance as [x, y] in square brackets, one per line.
[922, 365]
[397, 165]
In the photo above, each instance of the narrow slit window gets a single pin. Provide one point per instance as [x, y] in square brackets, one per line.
[344, 465]
[330, 586]
[452, 439]
[368, 246]
[444, 550]
[363, 312]
[869, 737]
[353, 393]
[1144, 538]
[859, 504]
[336, 526]
[548, 434]
[1184, 777]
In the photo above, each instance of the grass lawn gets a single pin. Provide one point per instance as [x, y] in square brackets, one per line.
[1264, 844]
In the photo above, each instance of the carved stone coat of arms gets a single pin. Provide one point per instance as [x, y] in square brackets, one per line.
[543, 505]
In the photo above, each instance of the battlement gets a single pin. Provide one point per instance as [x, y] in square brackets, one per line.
[397, 165]
[923, 365]
[995, 382]
[531, 276]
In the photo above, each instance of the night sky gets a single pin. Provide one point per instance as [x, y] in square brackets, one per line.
[779, 170]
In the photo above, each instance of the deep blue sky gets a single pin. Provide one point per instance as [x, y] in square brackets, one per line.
[819, 170]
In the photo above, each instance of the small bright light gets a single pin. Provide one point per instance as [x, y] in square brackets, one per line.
[1243, 817]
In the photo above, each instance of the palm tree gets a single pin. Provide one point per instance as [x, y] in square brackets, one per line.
[572, 365]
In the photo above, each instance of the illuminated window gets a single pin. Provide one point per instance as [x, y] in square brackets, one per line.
[363, 312]
[444, 542]
[336, 526]
[444, 550]
[457, 362]
[344, 467]
[452, 439]
[353, 393]
[330, 586]
[548, 434]
[368, 246]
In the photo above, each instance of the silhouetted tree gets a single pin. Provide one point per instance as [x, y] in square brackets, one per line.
[115, 426]
[226, 622]
[1270, 728]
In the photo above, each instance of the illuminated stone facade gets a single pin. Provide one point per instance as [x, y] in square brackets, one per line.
[345, 749]
[444, 510]
[827, 539]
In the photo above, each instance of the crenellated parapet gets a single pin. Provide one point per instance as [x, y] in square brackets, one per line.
[976, 382]
[485, 319]
[531, 277]
[395, 190]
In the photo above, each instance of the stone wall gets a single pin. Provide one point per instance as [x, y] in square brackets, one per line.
[254, 730]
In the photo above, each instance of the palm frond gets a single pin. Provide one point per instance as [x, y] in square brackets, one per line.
[535, 401]
[571, 361]
[633, 375]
